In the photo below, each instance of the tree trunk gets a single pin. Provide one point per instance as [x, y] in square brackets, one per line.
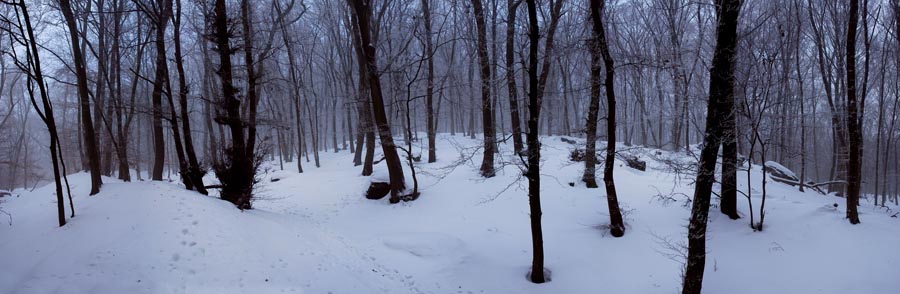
[429, 84]
[515, 121]
[392, 160]
[721, 87]
[122, 147]
[161, 21]
[487, 123]
[47, 116]
[195, 172]
[295, 87]
[853, 124]
[90, 138]
[601, 47]
[728, 203]
[590, 150]
[238, 178]
[533, 172]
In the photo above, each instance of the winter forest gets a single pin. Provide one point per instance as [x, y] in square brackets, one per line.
[449, 146]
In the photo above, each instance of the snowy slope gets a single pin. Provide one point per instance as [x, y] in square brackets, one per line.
[315, 233]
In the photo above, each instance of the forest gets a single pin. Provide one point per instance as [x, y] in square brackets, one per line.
[278, 126]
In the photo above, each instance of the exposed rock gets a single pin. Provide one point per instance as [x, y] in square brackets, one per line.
[635, 163]
[378, 190]
[777, 170]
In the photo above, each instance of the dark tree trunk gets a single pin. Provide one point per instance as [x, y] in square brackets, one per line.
[252, 80]
[161, 21]
[237, 175]
[534, 149]
[90, 138]
[392, 160]
[487, 122]
[36, 77]
[721, 87]
[728, 204]
[601, 47]
[590, 150]
[211, 93]
[194, 171]
[515, 121]
[121, 127]
[853, 124]
[295, 87]
[101, 79]
[429, 84]
[364, 106]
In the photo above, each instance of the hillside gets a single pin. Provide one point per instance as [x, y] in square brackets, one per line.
[316, 233]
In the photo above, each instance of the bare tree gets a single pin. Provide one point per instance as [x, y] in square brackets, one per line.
[21, 32]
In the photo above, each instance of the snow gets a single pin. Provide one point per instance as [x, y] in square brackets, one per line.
[316, 233]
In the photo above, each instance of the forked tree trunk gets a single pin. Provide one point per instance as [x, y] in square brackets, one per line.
[161, 21]
[239, 174]
[395, 171]
[601, 47]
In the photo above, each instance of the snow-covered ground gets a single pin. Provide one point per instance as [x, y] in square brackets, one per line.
[316, 233]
